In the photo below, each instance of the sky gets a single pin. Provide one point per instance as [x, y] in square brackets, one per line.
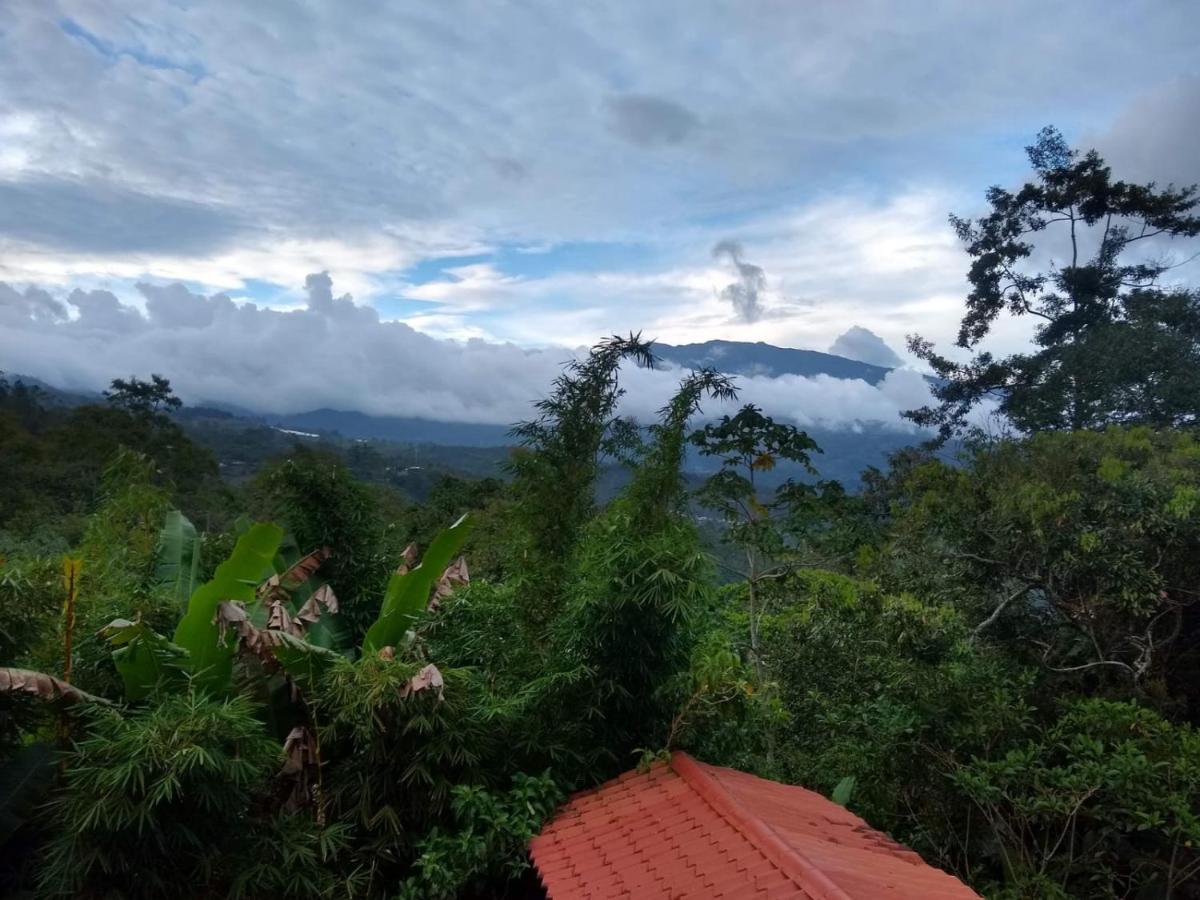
[294, 204]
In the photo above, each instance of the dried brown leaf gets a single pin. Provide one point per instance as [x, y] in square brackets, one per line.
[429, 678]
[303, 569]
[279, 619]
[301, 759]
[455, 575]
[407, 558]
[39, 683]
[326, 597]
[279, 586]
[298, 748]
[309, 613]
[230, 613]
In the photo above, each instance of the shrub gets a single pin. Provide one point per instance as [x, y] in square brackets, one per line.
[156, 802]
[1101, 803]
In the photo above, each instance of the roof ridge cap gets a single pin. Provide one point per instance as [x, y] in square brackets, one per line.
[803, 871]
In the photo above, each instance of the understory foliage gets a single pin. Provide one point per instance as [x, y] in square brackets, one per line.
[993, 657]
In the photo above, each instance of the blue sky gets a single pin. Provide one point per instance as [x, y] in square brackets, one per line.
[544, 173]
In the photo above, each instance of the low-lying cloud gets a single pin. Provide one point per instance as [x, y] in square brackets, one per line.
[335, 353]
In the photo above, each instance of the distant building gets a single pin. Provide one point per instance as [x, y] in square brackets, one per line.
[685, 830]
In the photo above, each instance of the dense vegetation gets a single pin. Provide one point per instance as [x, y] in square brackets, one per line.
[294, 688]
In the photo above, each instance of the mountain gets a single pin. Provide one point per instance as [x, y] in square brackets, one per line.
[50, 395]
[743, 358]
[242, 439]
[405, 430]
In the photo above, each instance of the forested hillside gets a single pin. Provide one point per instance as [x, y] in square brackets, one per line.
[306, 682]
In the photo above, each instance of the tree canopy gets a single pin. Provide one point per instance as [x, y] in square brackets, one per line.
[1086, 255]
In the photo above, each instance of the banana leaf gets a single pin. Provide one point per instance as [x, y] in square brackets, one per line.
[235, 579]
[408, 592]
[177, 565]
[143, 657]
[47, 687]
[305, 662]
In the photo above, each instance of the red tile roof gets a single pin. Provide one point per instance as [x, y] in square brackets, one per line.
[687, 830]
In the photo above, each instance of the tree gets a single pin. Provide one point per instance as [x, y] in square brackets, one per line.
[322, 505]
[1113, 344]
[657, 489]
[746, 444]
[639, 580]
[557, 464]
[145, 397]
[1078, 552]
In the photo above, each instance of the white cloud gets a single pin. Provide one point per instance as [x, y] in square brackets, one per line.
[865, 346]
[334, 353]
[232, 146]
[240, 130]
[895, 265]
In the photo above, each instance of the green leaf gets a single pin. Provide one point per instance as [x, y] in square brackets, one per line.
[408, 594]
[305, 662]
[178, 561]
[143, 657]
[845, 788]
[235, 579]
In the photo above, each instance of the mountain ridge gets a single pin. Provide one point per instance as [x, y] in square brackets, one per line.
[847, 450]
[761, 358]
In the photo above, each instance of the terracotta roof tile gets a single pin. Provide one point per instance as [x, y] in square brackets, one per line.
[687, 830]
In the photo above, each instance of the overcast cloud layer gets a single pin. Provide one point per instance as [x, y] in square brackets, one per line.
[530, 175]
[334, 353]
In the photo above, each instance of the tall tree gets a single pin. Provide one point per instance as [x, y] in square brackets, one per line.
[1113, 344]
[748, 444]
[143, 397]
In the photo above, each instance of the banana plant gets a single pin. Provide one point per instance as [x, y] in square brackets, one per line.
[266, 602]
[177, 564]
[408, 591]
[210, 648]
[144, 658]
[260, 599]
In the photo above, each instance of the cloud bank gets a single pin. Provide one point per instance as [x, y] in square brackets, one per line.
[204, 142]
[337, 354]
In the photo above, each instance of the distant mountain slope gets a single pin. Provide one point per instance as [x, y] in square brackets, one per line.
[846, 452]
[405, 430]
[742, 358]
[54, 396]
[241, 437]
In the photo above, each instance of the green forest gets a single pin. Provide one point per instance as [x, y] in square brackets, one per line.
[305, 684]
